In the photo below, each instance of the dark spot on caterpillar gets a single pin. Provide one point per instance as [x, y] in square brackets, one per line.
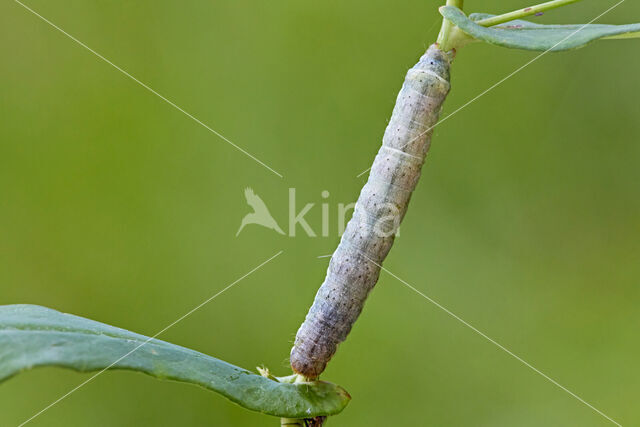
[527, 9]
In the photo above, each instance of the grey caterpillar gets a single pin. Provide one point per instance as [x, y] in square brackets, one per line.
[355, 265]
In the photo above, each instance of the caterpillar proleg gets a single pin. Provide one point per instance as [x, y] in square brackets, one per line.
[353, 270]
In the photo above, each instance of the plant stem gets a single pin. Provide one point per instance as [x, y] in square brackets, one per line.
[522, 13]
[624, 36]
[445, 37]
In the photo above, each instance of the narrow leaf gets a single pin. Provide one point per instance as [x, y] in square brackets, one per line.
[33, 336]
[520, 34]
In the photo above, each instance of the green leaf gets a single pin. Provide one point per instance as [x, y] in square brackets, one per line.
[520, 34]
[32, 336]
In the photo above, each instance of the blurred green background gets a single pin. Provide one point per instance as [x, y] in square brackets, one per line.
[117, 207]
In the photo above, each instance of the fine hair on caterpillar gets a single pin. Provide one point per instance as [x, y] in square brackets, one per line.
[355, 265]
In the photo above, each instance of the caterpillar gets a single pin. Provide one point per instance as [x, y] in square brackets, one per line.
[355, 265]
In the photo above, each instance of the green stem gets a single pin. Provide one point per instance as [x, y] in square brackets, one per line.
[446, 36]
[624, 36]
[292, 422]
[522, 13]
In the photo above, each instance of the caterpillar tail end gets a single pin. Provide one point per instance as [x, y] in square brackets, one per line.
[303, 365]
